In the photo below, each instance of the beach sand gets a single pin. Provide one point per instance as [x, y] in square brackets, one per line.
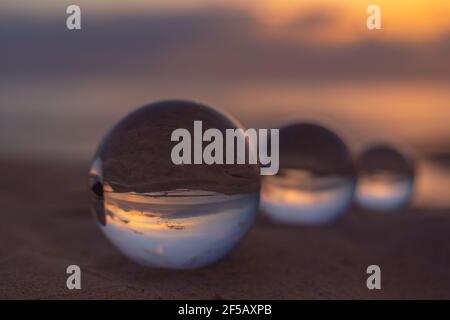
[46, 225]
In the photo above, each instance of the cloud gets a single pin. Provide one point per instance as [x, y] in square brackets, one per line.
[203, 44]
[314, 19]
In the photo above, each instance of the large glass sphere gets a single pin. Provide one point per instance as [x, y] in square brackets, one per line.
[161, 214]
[316, 181]
[386, 179]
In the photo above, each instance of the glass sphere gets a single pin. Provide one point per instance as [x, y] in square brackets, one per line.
[386, 179]
[165, 215]
[316, 180]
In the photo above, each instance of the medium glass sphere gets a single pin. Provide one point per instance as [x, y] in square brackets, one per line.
[386, 179]
[165, 215]
[316, 181]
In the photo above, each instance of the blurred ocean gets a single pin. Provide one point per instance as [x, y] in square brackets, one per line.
[64, 119]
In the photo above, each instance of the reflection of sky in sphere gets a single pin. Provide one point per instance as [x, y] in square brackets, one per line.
[172, 229]
[386, 179]
[316, 181]
[298, 197]
[178, 229]
[384, 191]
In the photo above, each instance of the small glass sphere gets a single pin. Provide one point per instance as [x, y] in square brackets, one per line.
[386, 179]
[316, 181]
[165, 215]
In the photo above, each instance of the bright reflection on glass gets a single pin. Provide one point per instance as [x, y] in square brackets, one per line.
[298, 196]
[386, 179]
[316, 181]
[179, 228]
[163, 215]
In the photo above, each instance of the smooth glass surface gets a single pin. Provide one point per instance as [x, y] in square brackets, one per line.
[316, 181]
[165, 215]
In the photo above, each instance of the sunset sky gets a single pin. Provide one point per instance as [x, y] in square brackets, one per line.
[262, 60]
[329, 20]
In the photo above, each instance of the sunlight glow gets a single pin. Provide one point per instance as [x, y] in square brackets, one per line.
[305, 20]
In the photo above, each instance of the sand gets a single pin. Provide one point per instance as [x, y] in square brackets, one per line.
[46, 225]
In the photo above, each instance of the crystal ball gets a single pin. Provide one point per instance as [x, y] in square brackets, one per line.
[317, 177]
[167, 215]
[386, 179]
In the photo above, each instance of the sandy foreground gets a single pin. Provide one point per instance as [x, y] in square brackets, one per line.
[46, 225]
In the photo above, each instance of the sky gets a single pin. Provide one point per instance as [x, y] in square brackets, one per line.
[263, 39]
[261, 60]
[403, 20]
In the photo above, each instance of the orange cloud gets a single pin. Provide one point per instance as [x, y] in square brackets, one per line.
[420, 20]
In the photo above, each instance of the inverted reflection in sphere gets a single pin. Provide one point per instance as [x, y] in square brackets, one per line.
[386, 179]
[166, 215]
[316, 181]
